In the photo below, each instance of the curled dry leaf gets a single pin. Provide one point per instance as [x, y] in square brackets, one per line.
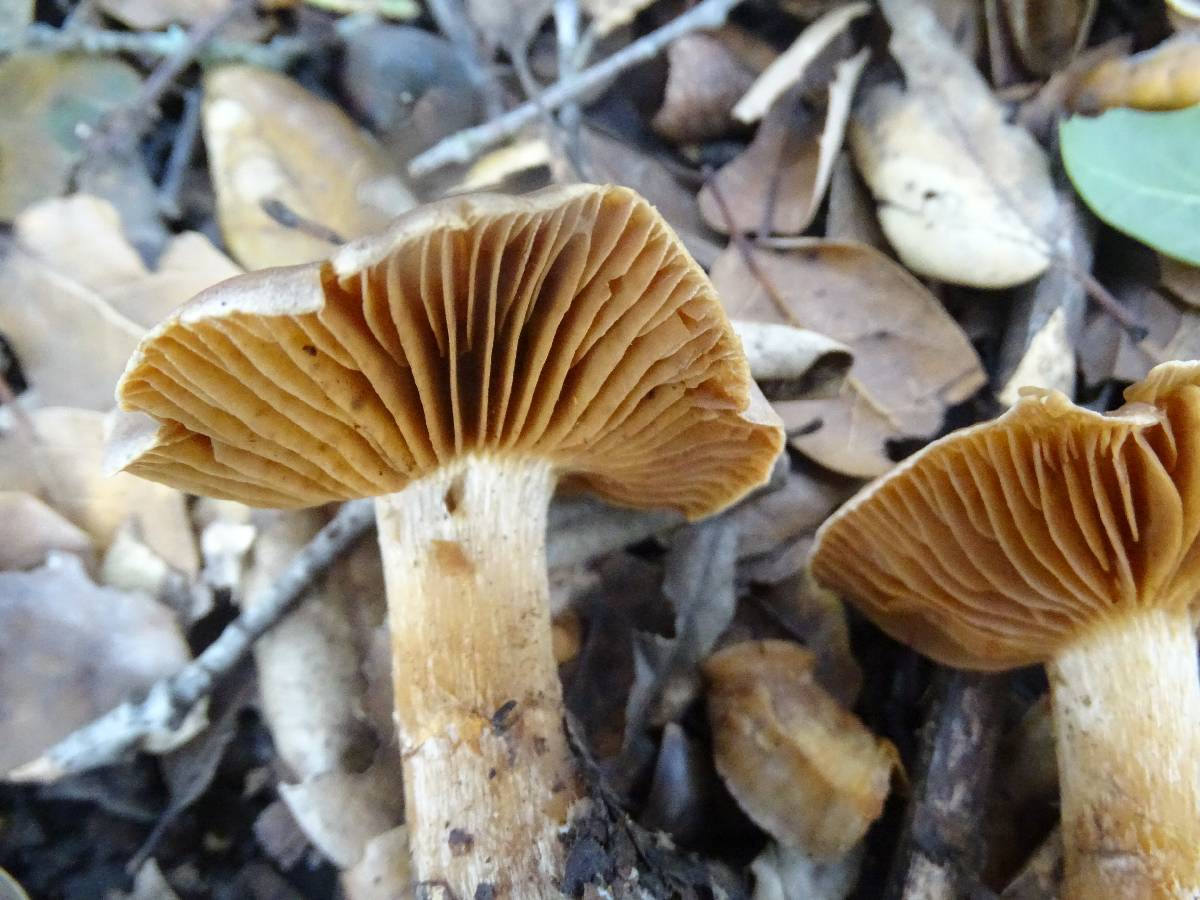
[704, 80]
[64, 466]
[47, 102]
[790, 363]
[268, 139]
[69, 646]
[1163, 77]
[963, 195]
[911, 359]
[70, 279]
[776, 185]
[804, 769]
[1048, 35]
[791, 67]
[30, 530]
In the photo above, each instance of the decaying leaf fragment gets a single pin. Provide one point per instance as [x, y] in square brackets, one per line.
[801, 767]
[1049, 34]
[1182, 280]
[704, 81]
[69, 646]
[71, 282]
[911, 359]
[776, 185]
[1163, 77]
[963, 195]
[268, 139]
[45, 99]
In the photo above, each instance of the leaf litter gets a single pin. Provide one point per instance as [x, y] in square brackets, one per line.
[888, 214]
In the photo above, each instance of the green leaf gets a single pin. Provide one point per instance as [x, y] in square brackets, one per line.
[1140, 173]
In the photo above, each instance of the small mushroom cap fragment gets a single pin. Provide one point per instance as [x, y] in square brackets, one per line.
[802, 767]
[569, 325]
[997, 545]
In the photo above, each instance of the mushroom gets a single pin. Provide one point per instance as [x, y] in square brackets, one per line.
[1061, 536]
[456, 367]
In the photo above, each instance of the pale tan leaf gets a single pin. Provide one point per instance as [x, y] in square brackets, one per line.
[385, 870]
[29, 530]
[911, 360]
[47, 102]
[792, 65]
[268, 139]
[609, 15]
[153, 15]
[786, 169]
[963, 195]
[64, 467]
[70, 650]
[71, 281]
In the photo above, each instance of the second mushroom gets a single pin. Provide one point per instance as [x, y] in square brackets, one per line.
[457, 367]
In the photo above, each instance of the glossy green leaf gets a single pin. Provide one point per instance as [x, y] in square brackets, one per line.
[1140, 173]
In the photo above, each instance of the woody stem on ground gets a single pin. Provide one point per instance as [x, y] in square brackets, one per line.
[488, 774]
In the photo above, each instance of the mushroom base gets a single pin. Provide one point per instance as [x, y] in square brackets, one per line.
[1127, 720]
[488, 775]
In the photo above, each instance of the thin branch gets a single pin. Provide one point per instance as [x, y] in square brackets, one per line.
[277, 53]
[464, 146]
[133, 726]
[566, 30]
[554, 129]
[284, 215]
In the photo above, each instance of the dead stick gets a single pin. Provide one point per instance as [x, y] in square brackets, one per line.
[464, 146]
[127, 728]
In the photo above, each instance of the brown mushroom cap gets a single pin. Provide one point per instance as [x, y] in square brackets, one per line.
[569, 325]
[997, 545]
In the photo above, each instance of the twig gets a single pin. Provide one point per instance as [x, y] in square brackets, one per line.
[183, 148]
[554, 129]
[943, 848]
[465, 145]
[124, 127]
[566, 30]
[284, 215]
[132, 725]
[277, 53]
[452, 20]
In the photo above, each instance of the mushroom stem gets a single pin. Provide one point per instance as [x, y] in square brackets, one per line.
[488, 776]
[1127, 719]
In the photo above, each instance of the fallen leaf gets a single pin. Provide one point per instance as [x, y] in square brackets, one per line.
[1106, 351]
[807, 771]
[791, 66]
[1049, 35]
[268, 139]
[30, 530]
[1161, 78]
[64, 466]
[609, 15]
[69, 646]
[70, 279]
[1137, 171]
[494, 168]
[777, 184]
[963, 196]
[704, 80]
[851, 214]
[152, 15]
[47, 103]
[389, 9]
[1182, 280]
[793, 363]
[911, 360]
[384, 872]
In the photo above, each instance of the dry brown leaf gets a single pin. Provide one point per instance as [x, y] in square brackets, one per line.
[803, 768]
[1049, 34]
[75, 650]
[1106, 351]
[1182, 280]
[791, 67]
[268, 139]
[963, 195]
[704, 80]
[911, 359]
[29, 530]
[786, 169]
[1163, 77]
[71, 282]
[46, 103]
[65, 468]
[615, 161]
